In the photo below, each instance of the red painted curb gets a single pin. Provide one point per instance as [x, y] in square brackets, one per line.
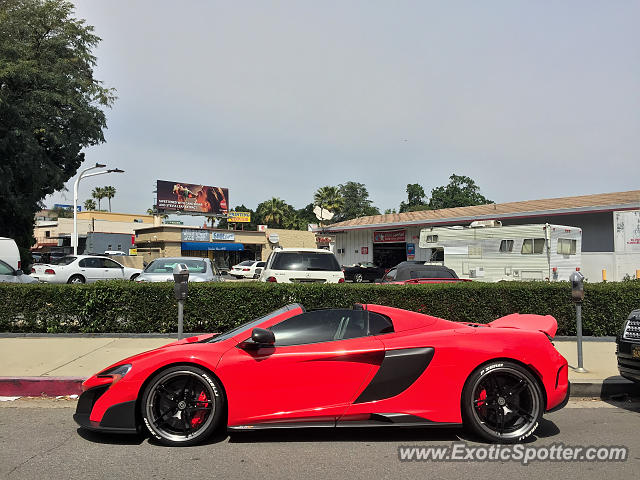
[37, 386]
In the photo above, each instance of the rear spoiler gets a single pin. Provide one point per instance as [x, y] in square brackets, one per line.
[543, 323]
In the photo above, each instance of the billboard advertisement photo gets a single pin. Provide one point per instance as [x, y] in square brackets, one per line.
[190, 198]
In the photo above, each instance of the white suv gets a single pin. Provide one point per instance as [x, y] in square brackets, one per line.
[302, 265]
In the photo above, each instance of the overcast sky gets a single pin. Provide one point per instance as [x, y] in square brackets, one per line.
[532, 99]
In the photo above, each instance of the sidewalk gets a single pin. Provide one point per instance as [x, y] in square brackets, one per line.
[57, 365]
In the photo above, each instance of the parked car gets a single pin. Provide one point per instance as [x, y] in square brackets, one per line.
[247, 269]
[8, 274]
[82, 269]
[9, 253]
[420, 272]
[363, 272]
[161, 270]
[367, 366]
[302, 265]
[628, 348]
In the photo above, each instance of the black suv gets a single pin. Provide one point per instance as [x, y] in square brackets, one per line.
[628, 350]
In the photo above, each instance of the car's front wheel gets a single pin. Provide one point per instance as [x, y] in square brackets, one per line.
[77, 279]
[358, 278]
[502, 402]
[182, 405]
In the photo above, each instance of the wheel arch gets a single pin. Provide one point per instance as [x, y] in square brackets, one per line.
[144, 384]
[530, 368]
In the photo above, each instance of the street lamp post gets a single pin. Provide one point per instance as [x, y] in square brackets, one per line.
[84, 174]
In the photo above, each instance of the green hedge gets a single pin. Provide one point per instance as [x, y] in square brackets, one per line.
[110, 307]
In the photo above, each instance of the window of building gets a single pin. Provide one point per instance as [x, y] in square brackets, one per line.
[567, 246]
[506, 246]
[47, 233]
[432, 238]
[532, 246]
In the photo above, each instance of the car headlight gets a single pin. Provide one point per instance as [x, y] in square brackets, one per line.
[115, 372]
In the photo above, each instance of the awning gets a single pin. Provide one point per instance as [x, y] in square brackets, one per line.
[230, 247]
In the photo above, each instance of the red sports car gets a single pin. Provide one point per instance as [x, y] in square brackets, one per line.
[367, 366]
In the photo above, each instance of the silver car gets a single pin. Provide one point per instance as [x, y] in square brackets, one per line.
[9, 275]
[82, 269]
[161, 270]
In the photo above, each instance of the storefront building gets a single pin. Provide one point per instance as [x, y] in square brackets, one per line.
[225, 247]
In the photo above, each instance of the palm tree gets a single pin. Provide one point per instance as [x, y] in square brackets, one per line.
[109, 192]
[272, 211]
[89, 204]
[98, 194]
[328, 198]
[154, 212]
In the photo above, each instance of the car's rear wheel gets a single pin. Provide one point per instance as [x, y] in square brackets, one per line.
[77, 279]
[182, 405]
[502, 402]
[358, 278]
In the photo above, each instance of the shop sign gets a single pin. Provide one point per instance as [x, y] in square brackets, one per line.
[364, 250]
[274, 238]
[223, 236]
[195, 235]
[411, 251]
[239, 217]
[323, 240]
[389, 236]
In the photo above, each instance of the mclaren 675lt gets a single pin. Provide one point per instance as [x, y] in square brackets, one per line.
[367, 366]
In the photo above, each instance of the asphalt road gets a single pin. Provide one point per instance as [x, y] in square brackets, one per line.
[38, 439]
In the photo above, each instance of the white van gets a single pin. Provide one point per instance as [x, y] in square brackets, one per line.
[302, 265]
[9, 253]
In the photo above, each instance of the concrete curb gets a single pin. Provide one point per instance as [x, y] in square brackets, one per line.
[53, 386]
[38, 386]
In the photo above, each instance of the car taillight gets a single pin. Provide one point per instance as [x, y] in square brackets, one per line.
[50, 271]
[33, 270]
[19, 264]
[341, 280]
[272, 279]
[245, 269]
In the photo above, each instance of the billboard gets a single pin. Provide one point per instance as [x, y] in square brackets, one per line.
[190, 198]
[388, 236]
[239, 217]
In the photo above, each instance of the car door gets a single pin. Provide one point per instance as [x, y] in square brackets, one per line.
[91, 268]
[315, 369]
[111, 270]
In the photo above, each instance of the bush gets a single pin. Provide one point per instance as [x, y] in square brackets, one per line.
[129, 307]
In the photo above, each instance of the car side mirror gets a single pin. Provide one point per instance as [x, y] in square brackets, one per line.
[262, 336]
[19, 272]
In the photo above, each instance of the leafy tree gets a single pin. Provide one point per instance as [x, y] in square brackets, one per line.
[356, 202]
[390, 210]
[89, 204]
[109, 192]
[98, 194]
[307, 215]
[460, 192]
[273, 212]
[50, 107]
[416, 199]
[328, 198]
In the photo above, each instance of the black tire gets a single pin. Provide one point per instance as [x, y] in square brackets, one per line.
[194, 399]
[77, 279]
[358, 278]
[502, 402]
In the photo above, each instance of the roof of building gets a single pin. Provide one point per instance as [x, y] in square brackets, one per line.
[529, 208]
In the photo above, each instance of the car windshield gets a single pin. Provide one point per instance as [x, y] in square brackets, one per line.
[165, 265]
[423, 273]
[252, 323]
[62, 260]
[305, 261]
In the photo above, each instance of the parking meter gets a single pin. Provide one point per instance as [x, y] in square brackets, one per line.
[181, 277]
[577, 286]
[577, 295]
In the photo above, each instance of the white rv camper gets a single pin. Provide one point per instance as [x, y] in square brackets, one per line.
[487, 251]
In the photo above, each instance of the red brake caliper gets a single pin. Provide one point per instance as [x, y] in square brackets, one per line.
[481, 398]
[198, 417]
